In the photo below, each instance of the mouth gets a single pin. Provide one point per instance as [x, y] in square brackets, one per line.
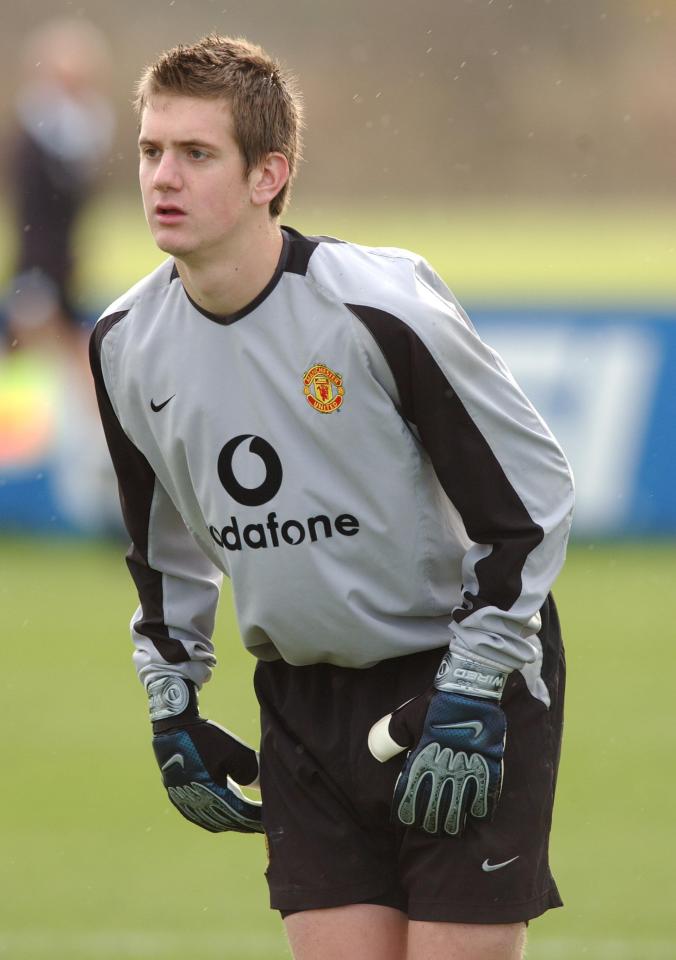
[168, 213]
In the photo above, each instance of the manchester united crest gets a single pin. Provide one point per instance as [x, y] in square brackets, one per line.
[323, 388]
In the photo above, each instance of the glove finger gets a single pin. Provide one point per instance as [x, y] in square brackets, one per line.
[251, 810]
[417, 792]
[434, 793]
[217, 809]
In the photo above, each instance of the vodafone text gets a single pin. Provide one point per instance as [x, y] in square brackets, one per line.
[259, 536]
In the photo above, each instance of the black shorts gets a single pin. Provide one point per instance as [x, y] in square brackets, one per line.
[326, 800]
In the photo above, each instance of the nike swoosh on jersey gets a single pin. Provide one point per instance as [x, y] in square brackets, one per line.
[489, 867]
[177, 758]
[475, 725]
[156, 407]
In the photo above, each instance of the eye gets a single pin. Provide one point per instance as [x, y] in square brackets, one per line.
[150, 153]
[196, 154]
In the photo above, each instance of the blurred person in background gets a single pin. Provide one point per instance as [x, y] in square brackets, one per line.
[60, 141]
[63, 132]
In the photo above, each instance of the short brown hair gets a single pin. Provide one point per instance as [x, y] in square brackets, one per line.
[264, 100]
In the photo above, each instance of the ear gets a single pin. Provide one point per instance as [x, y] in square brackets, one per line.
[268, 178]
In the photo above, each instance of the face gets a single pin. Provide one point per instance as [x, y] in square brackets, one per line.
[196, 195]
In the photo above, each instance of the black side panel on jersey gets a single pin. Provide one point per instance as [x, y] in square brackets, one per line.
[467, 468]
[136, 498]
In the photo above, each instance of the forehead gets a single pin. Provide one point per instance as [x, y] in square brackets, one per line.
[173, 117]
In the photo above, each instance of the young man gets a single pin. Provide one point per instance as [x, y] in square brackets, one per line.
[320, 422]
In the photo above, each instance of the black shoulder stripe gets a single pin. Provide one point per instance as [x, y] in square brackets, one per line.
[395, 340]
[103, 327]
[467, 468]
[300, 251]
[136, 481]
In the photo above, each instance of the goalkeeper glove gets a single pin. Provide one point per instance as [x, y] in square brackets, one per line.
[198, 758]
[457, 730]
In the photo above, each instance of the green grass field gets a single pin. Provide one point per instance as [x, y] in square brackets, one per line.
[96, 864]
[487, 252]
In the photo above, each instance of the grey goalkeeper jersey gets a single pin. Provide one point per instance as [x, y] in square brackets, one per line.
[347, 450]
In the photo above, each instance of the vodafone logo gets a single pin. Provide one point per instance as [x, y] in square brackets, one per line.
[244, 455]
[265, 491]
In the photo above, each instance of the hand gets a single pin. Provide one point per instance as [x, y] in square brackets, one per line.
[458, 733]
[201, 762]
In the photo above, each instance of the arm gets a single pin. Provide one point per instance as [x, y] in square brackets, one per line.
[495, 458]
[177, 585]
[178, 590]
[510, 484]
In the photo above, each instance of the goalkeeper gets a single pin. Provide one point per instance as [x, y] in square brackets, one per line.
[320, 422]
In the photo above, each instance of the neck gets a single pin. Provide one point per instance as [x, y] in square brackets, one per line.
[225, 284]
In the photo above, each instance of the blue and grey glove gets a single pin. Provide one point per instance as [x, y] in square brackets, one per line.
[457, 730]
[202, 763]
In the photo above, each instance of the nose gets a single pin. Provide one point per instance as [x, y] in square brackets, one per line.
[167, 174]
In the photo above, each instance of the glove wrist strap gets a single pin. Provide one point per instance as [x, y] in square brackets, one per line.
[462, 673]
[169, 698]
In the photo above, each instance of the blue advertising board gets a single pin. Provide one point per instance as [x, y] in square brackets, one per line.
[603, 379]
[605, 382]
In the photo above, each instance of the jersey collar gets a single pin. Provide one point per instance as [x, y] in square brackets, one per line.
[226, 319]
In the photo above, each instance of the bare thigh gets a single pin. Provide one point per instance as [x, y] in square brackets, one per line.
[465, 941]
[360, 931]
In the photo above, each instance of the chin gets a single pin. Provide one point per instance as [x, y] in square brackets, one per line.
[173, 247]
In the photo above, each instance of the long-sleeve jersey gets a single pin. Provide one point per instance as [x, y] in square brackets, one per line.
[346, 449]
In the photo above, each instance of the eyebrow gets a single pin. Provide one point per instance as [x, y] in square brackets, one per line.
[148, 142]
